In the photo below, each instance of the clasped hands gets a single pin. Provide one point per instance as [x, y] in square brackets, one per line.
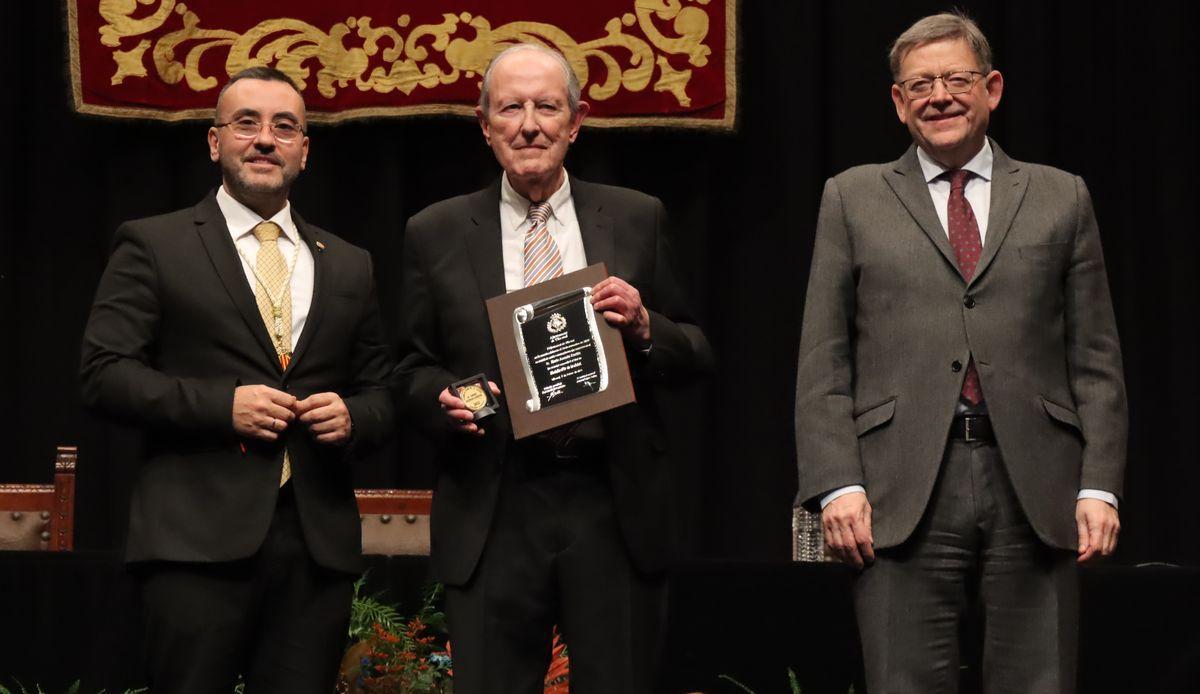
[621, 305]
[846, 523]
[263, 413]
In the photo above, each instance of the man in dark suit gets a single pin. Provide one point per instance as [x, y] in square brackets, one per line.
[573, 527]
[960, 409]
[247, 346]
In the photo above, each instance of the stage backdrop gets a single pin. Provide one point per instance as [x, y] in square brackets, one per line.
[1106, 90]
[640, 62]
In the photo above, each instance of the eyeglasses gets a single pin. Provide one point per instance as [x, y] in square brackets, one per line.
[248, 129]
[954, 82]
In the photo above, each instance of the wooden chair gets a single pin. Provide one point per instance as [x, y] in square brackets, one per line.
[394, 521]
[41, 516]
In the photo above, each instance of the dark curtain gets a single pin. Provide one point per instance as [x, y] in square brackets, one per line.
[1106, 90]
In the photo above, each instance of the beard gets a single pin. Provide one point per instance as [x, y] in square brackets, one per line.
[245, 184]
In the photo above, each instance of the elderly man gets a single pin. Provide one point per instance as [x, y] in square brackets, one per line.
[960, 409]
[247, 345]
[570, 528]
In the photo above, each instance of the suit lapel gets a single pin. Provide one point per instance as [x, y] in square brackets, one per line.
[1009, 183]
[316, 307]
[595, 227]
[908, 182]
[485, 249]
[484, 244]
[214, 234]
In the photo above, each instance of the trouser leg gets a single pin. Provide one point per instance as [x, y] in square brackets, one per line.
[275, 618]
[502, 619]
[304, 613]
[610, 614]
[1030, 597]
[555, 555]
[197, 630]
[910, 602]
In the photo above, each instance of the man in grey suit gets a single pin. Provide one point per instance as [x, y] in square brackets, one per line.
[960, 408]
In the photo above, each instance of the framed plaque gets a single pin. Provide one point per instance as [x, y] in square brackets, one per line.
[559, 359]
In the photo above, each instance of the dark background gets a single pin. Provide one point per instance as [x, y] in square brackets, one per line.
[1105, 90]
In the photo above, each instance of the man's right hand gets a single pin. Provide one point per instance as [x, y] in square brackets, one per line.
[457, 414]
[847, 524]
[261, 412]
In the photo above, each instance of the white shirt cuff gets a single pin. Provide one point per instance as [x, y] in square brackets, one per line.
[842, 492]
[1108, 497]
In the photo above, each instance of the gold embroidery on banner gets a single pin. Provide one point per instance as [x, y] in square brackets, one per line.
[121, 24]
[629, 61]
[129, 63]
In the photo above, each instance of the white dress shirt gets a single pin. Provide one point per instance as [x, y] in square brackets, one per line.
[978, 191]
[241, 221]
[562, 224]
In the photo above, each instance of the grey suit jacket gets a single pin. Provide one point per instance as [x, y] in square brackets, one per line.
[889, 326]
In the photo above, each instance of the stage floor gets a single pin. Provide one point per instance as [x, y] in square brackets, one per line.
[69, 616]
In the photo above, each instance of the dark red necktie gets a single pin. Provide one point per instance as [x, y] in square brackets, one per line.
[964, 239]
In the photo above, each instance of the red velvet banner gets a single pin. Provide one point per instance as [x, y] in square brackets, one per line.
[641, 62]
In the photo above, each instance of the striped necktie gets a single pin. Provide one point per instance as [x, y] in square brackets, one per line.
[542, 258]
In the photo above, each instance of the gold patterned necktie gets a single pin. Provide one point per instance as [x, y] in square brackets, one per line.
[273, 292]
[542, 260]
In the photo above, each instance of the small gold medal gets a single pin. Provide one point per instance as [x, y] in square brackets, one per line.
[473, 396]
[476, 396]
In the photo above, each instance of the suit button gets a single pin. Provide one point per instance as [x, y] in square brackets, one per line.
[956, 366]
[969, 302]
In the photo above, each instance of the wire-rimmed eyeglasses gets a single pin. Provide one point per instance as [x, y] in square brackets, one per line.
[247, 129]
[955, 82]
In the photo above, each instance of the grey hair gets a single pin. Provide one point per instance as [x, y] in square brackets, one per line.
[947, 25]
[573, 89]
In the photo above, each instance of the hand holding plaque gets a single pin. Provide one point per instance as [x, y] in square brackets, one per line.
[559, 360]
[621, 305]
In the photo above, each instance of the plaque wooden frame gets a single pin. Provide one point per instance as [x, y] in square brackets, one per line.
[516, 390]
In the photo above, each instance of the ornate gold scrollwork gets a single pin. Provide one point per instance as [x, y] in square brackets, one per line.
[628, 61]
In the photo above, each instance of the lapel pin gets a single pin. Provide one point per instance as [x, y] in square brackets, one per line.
[320, 246]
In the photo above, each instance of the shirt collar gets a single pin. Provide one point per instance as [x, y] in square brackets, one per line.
[241, 220]
[519, 204]
[980, 164]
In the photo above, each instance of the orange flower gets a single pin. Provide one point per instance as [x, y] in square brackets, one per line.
[384, 634]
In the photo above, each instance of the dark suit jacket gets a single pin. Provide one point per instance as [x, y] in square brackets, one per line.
[453, 263]
[888, 316]
[173, 330]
